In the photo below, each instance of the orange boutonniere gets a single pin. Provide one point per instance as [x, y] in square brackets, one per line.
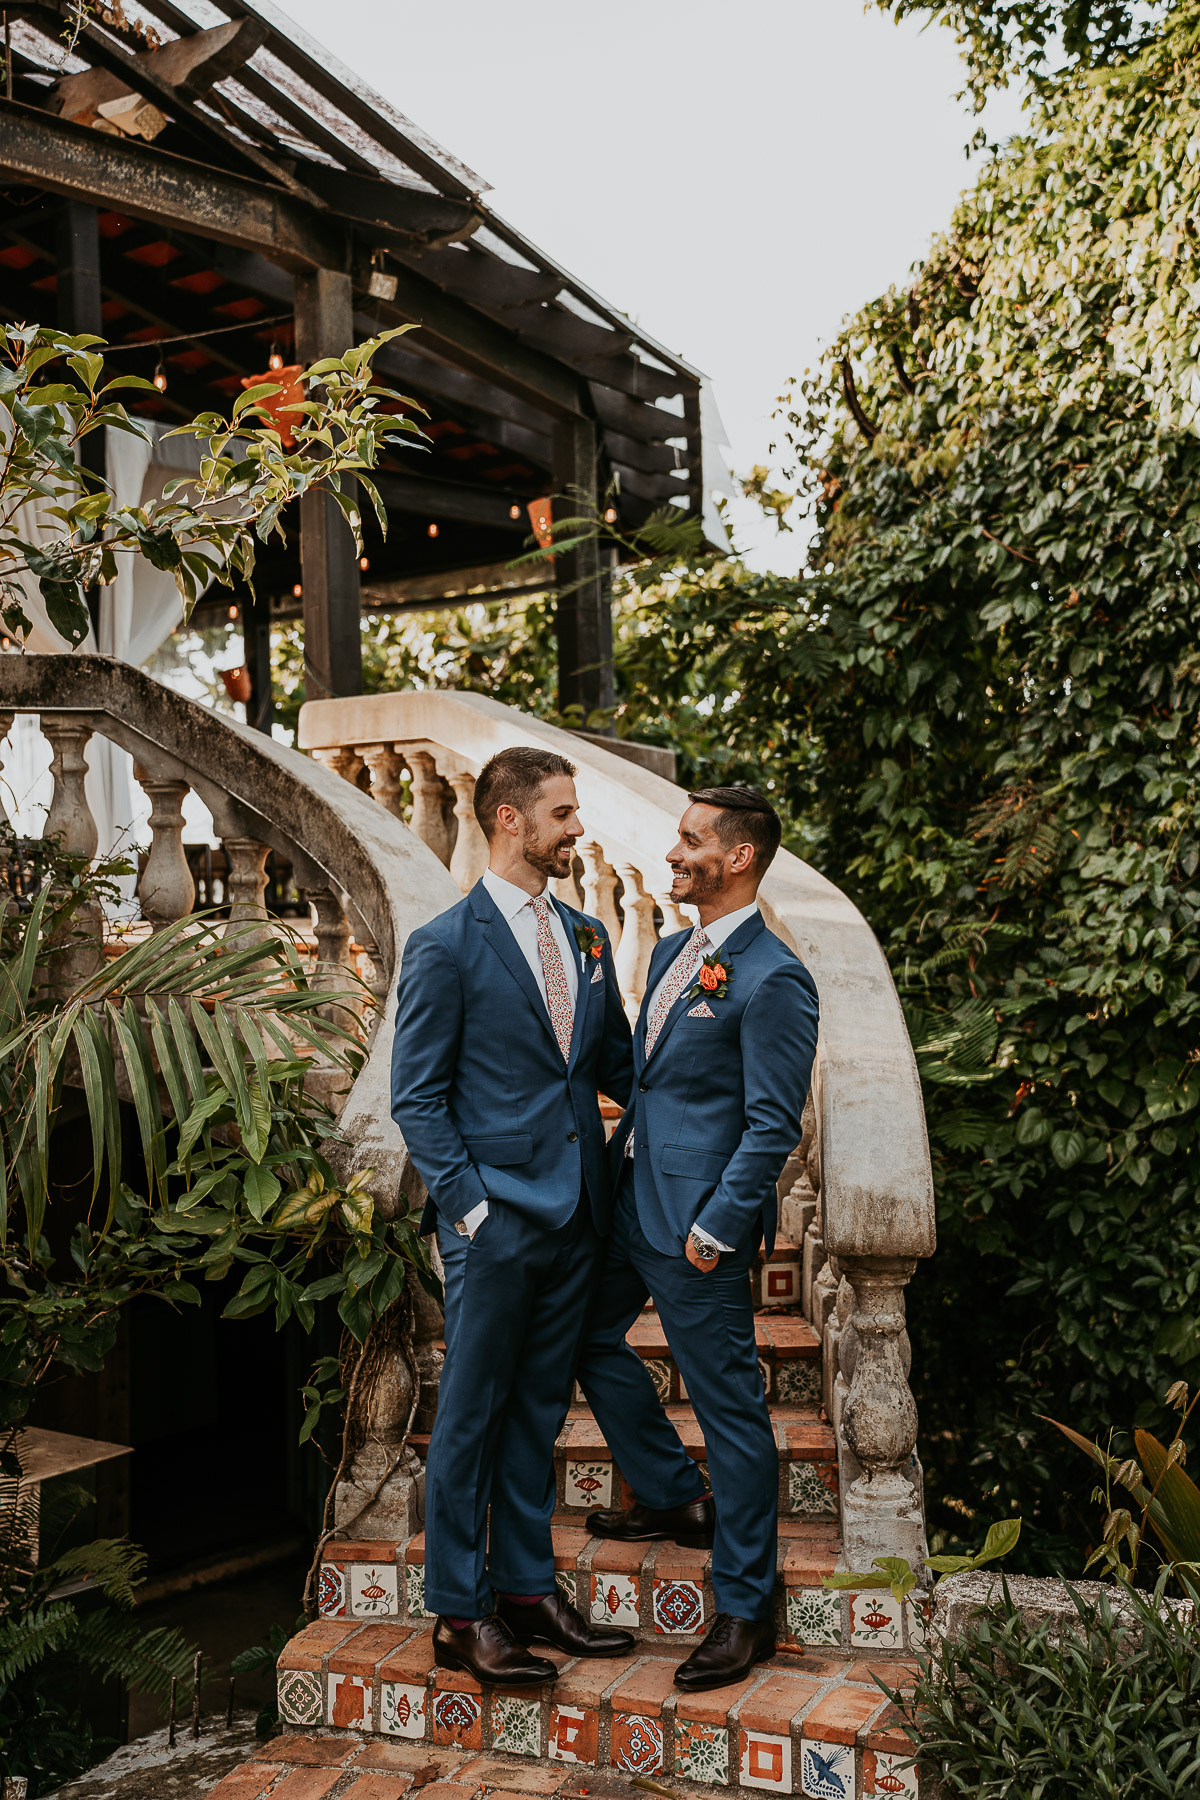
[590, 942]
[713, 977]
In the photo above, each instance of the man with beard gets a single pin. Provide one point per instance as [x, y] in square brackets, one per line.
[509, 1021]
[723, 1054]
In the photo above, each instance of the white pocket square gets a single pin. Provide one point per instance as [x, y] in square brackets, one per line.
[702, 1011]
[597, 975]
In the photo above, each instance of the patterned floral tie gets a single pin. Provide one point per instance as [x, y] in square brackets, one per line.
[683, 970]
[558, 994]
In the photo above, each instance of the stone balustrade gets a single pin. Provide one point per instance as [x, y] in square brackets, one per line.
[857, 1196]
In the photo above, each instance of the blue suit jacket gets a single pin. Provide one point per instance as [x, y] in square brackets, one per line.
[488, 1107]
[717, 1105]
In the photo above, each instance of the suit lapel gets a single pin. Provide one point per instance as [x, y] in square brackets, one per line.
[498, 935]
[584, 974]
[737, 941]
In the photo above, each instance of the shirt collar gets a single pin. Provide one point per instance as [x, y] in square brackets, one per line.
[508, 897]
[728, 923]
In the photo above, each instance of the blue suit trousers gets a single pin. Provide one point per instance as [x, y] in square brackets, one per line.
[709, 1323]
[517, 1298]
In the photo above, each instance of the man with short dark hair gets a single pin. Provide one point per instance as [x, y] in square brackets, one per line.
[723, 1054]
[509, 1021]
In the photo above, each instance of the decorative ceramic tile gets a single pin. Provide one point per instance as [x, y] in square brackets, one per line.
[403, 1710]
[457, 1719]
[766, 1762]
[574, 1734]
[331, 1591]
[827, 1771]
[348, 1701]
[764, 1369]
[660, 1375]
[916, 1613]
[678, 1607]
[798, 1382]
[565, 1579]
[299, 1697]
[807, 1491]
[814, 1616]
[516, 1725]
[414, 1578]
[701, 1751]
[588, 1484]
[885, 1773]
[781, 1284]
[875, 1620]
[372, 1589]
[615, 1599]
[637, 1743]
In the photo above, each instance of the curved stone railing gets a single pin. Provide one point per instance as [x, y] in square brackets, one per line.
[858, 1193]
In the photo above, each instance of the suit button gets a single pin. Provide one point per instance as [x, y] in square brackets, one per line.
[571, 1136]
[643, 1087]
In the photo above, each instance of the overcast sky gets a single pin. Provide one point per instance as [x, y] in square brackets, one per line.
[736, 175]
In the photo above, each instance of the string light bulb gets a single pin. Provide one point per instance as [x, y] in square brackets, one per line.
[233, 612]
[298, 591]
[431, 528]
[160, 377]
[274, 361]
[514, 511]
[364, 563]
[610, 515]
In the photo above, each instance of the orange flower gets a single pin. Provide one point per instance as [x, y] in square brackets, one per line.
[709, 979]
[598, 949]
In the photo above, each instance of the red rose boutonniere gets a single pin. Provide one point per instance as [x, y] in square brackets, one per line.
[590, 942]
[713, 977]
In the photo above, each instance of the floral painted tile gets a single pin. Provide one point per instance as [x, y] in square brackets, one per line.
[660, 1375]
[331, 1591]
[299, 1697]
[798, 1382]
[885, 1773]
[402, 1713]
[516, 1725]
[808, 1490]
[615, 1599]
[565, 1579]
[678, 1607]
[414, 1577]
[348, 1701]
[766, 1762]
[702, 1752]
[588, 1484]
[814, 1616]
[827, 1771]
[372, 1589]
[574, 1734]
[457, 1719]
[875, 1620]
[637, 1743]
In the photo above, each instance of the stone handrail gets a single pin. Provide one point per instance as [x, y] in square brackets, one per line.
[859, 1190]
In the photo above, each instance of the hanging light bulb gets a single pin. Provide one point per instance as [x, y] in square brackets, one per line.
[610, 515]
[275, 361]
[514, 511]
[160, 377]
[298, 591]
[432, 529]
[364, 563]
[233, 612]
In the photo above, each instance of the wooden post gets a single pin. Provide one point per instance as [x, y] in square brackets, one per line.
[77, 295]
[256, 634]
[583, 619]
[328, 560]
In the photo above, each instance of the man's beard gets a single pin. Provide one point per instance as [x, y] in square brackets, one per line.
[553, 860]
[705, 879]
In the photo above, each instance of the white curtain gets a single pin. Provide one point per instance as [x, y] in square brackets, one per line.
[138, 613]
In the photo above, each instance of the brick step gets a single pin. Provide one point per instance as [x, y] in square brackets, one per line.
[790, 1728]
[789, 1355]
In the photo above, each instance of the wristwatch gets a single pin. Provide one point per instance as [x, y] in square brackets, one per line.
[706, 1252]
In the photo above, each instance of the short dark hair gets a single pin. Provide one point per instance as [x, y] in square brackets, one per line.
[514, 778]
[745, 817]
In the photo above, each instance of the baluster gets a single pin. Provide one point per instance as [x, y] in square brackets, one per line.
[335, 963]
[566, 889]
[674, 917]
[70, 820]
[881, 1509]
[599, 887]
[837, 1335]
[386, 769]
[166, 890]
[470, 856]
[637, 938]
[799, 1205]
[429, 803]
[343, 760]
[245, 888]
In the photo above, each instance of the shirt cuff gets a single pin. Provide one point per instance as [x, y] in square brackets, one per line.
[469, 1224]
[706, 1237]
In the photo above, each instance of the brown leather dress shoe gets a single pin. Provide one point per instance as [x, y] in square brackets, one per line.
[690, 1525]
[486, 1649]
[553, 1621]
[728, 1653]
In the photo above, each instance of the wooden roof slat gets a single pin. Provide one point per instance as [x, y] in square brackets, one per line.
[638, 419]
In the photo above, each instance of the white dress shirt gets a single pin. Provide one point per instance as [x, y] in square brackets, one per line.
[515, 907]
[716, 933]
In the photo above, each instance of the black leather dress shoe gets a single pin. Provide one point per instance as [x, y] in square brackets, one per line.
[728, 1653]
[690, 1525]
[552, 1621]
[486, 1649]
